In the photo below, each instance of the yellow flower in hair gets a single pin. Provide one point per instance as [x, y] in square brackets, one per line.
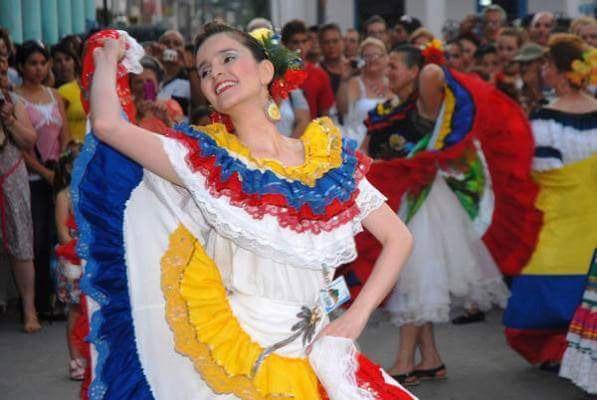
[584, 69]
[261, 34]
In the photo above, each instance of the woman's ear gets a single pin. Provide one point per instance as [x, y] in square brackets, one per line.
[266, 72]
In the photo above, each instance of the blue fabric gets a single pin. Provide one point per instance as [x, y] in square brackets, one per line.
[548, 152]
[337, 184]
[103, 180]
[581, 121]
[464, 112]
[543, 301]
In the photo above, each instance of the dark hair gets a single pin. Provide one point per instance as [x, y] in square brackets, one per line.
[372, 20]
[313, 29]
[470, 37]
[31, 47]
[5, 36]
[63, 169]
[213, 28]
[328, 27]
[410, 24]
[292, 28]
[412, 55]
[62, 47]
[148, 62]
[484, 50]
[199, 112]
[564, 48]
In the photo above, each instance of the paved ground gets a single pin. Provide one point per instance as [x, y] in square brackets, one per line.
[480, 365]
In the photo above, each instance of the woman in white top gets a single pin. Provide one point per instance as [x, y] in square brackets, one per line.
[362, 93]
[295, 114]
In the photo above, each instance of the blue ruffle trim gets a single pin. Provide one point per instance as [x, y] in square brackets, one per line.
[464, 111]
[102, 182]
[337, 184]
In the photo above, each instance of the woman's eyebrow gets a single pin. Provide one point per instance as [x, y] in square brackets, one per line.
[202, 63]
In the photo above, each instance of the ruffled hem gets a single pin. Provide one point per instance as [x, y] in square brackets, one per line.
[100, 215]
[581, 368]
[206, 331]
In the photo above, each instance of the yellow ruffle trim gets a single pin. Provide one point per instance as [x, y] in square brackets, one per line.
[322, 142]
[206, 331]
[446, 124]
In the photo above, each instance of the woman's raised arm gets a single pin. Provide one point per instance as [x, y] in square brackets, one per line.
[143, 146]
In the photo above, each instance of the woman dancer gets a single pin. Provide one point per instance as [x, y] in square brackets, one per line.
[215, 255]
[461, 179]
[550, 287]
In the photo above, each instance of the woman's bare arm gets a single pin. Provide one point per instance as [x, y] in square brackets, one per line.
[397, 244]
[141, 145]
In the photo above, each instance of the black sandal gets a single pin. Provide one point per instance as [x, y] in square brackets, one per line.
[408, 379]
[431, 374]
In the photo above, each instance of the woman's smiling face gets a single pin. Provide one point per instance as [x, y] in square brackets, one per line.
[230, 74]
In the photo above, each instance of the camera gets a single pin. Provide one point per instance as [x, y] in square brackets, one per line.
[170, 55]
[357, 63]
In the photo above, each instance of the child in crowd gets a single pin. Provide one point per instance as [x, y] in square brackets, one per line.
[68, 268]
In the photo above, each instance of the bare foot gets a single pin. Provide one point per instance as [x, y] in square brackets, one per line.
[31, 324]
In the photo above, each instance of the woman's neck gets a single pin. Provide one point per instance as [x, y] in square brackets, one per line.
[256, 131]
[405, 92]
[372, 76]
[31, 87]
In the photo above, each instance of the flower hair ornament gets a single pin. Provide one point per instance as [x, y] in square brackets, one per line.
[129, 64]
[585, 69]
[433, 52]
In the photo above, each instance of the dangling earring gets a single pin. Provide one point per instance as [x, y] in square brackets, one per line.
[272, 112]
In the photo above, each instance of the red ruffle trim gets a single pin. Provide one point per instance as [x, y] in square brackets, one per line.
[68, 252]
[370, 378]
[508, 147]
[258, 205]
[538, 346]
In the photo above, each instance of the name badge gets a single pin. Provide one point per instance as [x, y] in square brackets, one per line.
[334, 295]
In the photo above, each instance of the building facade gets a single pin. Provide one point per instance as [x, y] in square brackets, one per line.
[46, 20]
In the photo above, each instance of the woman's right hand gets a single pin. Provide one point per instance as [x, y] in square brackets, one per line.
[112, 51]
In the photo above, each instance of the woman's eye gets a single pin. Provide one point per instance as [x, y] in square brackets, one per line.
[228, 58]
[204, 73]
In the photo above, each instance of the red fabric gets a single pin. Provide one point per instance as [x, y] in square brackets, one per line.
[258, 205]
[68, 251]
[369, 377]
[508, 147]
[538, 345]
[81, 329]
[318, 90]
[122, 80]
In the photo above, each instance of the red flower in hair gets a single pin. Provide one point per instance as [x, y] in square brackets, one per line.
[434, 53]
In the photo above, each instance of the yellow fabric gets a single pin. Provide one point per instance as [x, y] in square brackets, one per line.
[446, 124]
[75, 114]
[568, 199]
[206, 331]
[323, 150]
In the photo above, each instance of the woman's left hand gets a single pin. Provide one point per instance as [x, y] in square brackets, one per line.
[350, 325]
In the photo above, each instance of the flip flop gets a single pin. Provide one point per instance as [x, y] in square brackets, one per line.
[431, 374]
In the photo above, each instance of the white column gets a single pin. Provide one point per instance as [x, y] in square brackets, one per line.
[283, 11]
[432, 13]
[341, 12]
